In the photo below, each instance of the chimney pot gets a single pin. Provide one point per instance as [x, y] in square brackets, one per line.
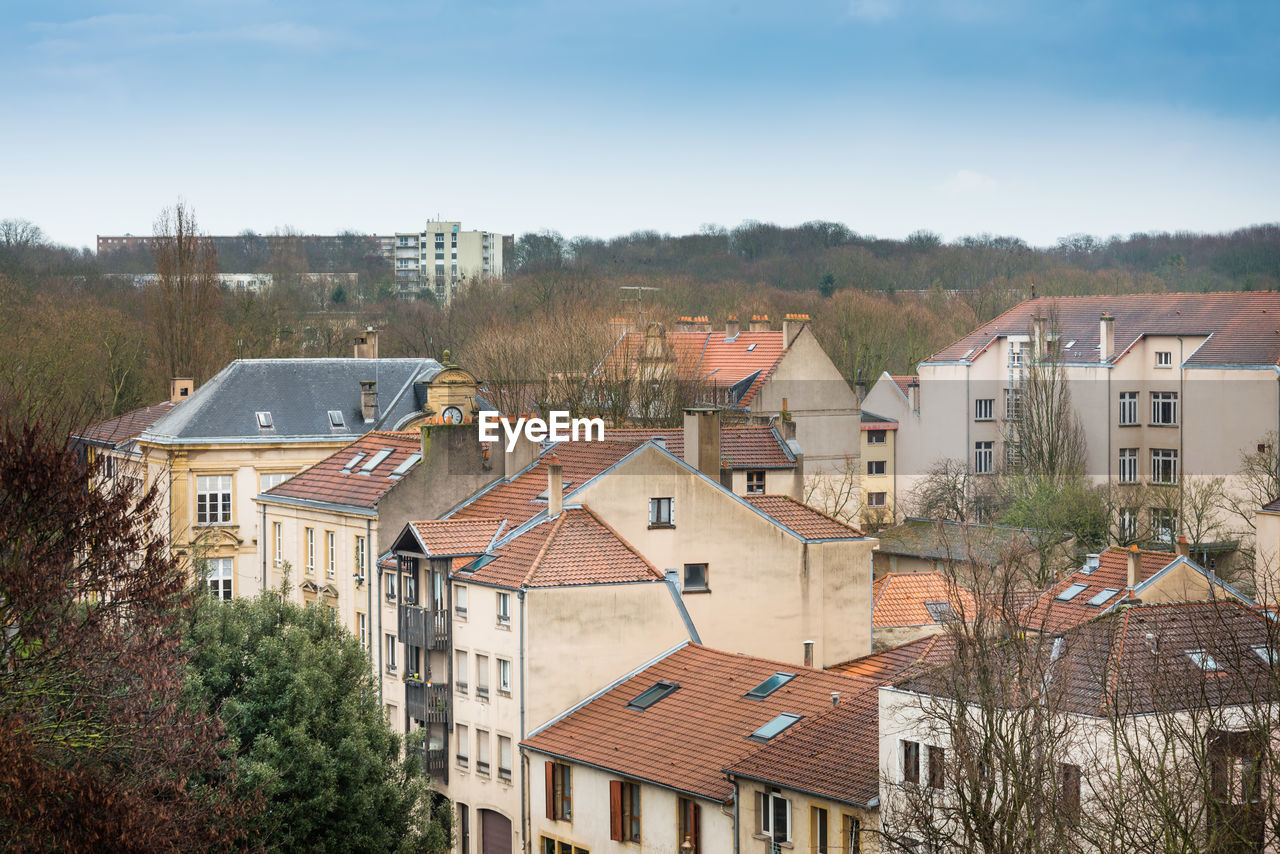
[1183, 547]
[759, 323]
[1135, 564]
[731, 327]
[792, 324]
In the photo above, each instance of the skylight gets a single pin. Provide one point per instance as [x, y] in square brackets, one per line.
[768, 686]
[1070, 344]
[658, 692]
[354, 461]
[335, 419]
[264, 420]
[774, 726]
[1266, 654]
[478, 562]
[940, 612]
[406, 465]
[1203, 660]
[1104, 596]
[375, 461]
[1072, 592]
[751, 347]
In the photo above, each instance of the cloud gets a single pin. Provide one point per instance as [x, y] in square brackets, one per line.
[873, 10]
[967, 182]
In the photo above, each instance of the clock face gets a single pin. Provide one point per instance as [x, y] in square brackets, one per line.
[452, 415]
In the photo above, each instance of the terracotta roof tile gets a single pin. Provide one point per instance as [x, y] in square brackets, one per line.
[806, 521]
[741, 447]
[115, 431]
[889, 665]
[898, 599]
[453, 537]
[710, 358]
[341, 478]
[903, 381]
[687, 739]
[1050, 614]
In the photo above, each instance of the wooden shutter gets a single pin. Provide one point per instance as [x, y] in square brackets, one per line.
[695, 825]
[615, 810]
[551, 790]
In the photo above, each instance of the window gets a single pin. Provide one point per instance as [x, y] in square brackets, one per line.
[624, 811]
[660, 513]
[311, 550]
[482, 677]
[773, 727]
[689, 824]
[264, 420]
[464, 828]
[1235, 769]
[876, 437]
[1266, 654]
[391, 653]
[1015, 354]
[213, 500]
[482, 751]
[774, 813]
[362, 559]
[460, 601]
[940, 612]
[464, 745]
[1164, 524]
[1204, 660]
[460, 670]
[1164, 408]
[1103, 596]
[1127, 524]
[983, 457]
[695, 578]
[271, 481]
[1128, 465]
[910, 761]
[1071, 592]
[504, 609]
[219, 577]
[1164, 466]
[875, 467]
[504, 758]
[559, 792]
[1164, 359]
[331, 563]
[1012, 404]
[877, 499]
[1128, 408]
[984, 409]
[937, 767]
[336, 421]
[277, 538]
[851, 835]
[411, 586]
[362, 621]
[818, 830]
[504, 676]
[1069, 791]
[768, 686]
[389, 583]
[652, 695]
[755, 482]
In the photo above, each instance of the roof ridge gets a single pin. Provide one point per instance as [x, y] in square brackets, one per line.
[536, 563]
[613, 531]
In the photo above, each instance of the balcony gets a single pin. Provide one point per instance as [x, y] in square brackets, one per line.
[424, 627]
[427, 702]
[436, 763]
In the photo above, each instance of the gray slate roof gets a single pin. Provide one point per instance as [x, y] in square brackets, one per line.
[299, 394]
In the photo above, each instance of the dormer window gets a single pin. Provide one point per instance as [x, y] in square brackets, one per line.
[336, 421]
[264, 420]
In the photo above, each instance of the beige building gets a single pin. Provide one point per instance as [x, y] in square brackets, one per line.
[442, 258]
[1266, 526]
[1169, 389]
[878, 470]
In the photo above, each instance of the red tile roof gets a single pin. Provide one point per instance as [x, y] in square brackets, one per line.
[1050, 614]
[451, 537]
[887, 666]
[898, 599]
[576, 547]
[806, 521]
[740, 447]
[687, 739]
[710, 358]
[903, 381]
[1244, 325]
[335, 480]
[115, 431]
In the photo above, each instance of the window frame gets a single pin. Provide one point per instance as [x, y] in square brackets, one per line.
[937, 772]
[877, 499]
[877, 437]
[909, 752]
[662, 512]
[309, 566]
[223, 490]
[755, 481]
[984, 409]
[1128, 413]
[331, 556]
[220, 585]
[503, 607]
[391, 643]
[1127, 463]
[984, 457]
[1164, 466]
[1164, 409]
[277, 534]
[1164, 358]
[705, 586]
[768, 802]
[504, 676]
[873, 465]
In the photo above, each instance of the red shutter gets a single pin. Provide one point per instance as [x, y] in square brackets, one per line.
[615, 810]
[551, 790]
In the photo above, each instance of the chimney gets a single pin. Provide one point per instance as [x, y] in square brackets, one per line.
[180, 389]
[1106, 337]
[792, 324]
[702, 323]
[731, 327]
[1135, 564]
[808, 653]
[369, 400]
[1183, 547]
[367, 344]
[520, 456]
[860, 387]
[1039, 336]
[555, 485]
[760, 323]
[702, 441]
[913, 394]
[684, 323]
[655, 342]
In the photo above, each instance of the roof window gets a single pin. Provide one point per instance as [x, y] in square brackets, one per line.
[1204, 660]
[1104, 596]
[409, 463]
[1071, 592]
[659, 691]
[774, 727]
[335, 419]
[375, 461]
[1266, 653]
[751, 347]
[940, 612]
[264, 420]
[768, 686]
[354, 461]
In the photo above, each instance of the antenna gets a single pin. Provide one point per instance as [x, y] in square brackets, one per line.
[639, 289]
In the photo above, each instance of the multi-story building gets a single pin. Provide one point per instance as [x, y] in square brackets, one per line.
[441, 258]
[879, 469]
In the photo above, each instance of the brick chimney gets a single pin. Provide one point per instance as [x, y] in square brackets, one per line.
[180, 389]
[792, 324]
[1106, 337]
[369, 400]
[731, 327]
[702, 440]
[760, 323]
[1135, 568]
[1183, 547]
[367, 344]
[555, 485]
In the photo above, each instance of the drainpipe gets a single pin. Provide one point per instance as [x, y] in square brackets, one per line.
[524, 759]
[736, 817]
[1182, 416]
[379, 597]
[369, 552]
[263, 537]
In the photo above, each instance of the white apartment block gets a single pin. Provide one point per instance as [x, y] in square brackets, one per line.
[441, 258]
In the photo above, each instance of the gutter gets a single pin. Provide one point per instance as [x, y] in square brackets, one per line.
[524, 780]
[674, 590]
[264, 548]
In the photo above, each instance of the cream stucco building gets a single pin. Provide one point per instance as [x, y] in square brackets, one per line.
[441, 258]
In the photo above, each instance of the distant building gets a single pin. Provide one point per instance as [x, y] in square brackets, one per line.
[442, 257]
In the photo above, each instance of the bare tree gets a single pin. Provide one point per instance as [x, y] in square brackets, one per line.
[184, 302]
[1043, 431]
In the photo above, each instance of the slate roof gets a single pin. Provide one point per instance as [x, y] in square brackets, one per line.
[573, 548]
[898, 599]
[1048, 613]
[341, 477]
[299, 393]
[114, 432]
[745, 361]
[687, 739]
[935, 539]
[808, 522]
[740, 447]
[1244, 325]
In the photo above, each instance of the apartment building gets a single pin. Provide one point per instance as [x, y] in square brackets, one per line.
[1168, 388]
[441, 258]
[878, 469]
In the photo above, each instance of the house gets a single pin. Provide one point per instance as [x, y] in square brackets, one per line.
[879, 468]
[1149, 376]
[1119, 577]
[906, 606]
[1266, 552]
[942, 545]
[111, 444]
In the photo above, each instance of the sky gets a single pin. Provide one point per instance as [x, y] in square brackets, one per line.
[1030, 118]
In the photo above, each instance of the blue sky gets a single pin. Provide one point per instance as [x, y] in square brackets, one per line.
[1031, 118]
